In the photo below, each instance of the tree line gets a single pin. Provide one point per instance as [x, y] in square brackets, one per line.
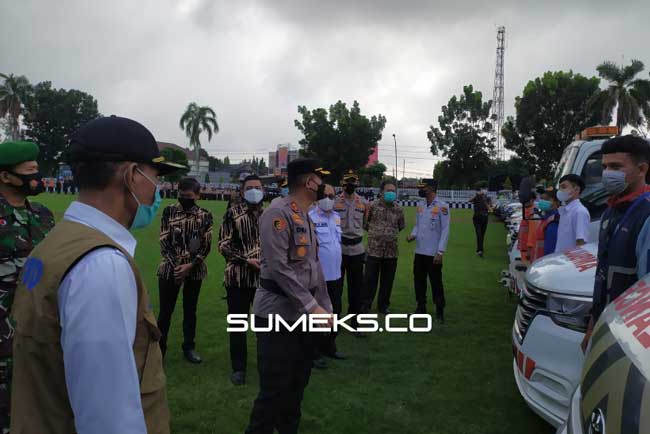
[550, 112]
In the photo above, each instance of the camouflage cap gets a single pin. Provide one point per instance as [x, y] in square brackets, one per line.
[16, 152]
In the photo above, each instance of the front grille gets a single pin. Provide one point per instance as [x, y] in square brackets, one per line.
[533, 301]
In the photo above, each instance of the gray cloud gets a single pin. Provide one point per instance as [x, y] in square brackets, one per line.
[254, 61]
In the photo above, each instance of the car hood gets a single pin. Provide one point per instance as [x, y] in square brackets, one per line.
[571, 272]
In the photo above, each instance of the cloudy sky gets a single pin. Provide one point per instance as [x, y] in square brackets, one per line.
[255, 61]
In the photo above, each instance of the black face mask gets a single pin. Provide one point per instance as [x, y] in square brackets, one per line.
[26, 188]
[422, 193]
[350, 188]
[320, 191]
[187, 204]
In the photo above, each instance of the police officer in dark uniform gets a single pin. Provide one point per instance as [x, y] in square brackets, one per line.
[291, 284]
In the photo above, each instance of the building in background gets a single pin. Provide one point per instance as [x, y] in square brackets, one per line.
[204, 164]
[279, 159]
[374, 157]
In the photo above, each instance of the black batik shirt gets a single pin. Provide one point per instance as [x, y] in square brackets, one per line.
[185, 237]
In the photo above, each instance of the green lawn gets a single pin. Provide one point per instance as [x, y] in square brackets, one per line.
[456, 379]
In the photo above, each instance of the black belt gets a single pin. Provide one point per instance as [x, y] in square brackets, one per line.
[351, 241]
[272, 286]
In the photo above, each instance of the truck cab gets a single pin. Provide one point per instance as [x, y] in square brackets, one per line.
[556, 296]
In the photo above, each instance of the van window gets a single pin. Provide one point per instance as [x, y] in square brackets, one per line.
[594, 197]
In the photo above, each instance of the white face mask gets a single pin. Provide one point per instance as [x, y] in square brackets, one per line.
[253, 196]
[563, 196]
[326, 204]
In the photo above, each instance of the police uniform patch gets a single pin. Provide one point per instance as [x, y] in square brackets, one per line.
[302, 251]
[294, 207]
[434, 211]
[445, 210]
[296, 218]
[420, 209]
[279, 224]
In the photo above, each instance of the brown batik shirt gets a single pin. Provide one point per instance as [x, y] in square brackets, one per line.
[239, 241]
[383, 225]
[185, 238]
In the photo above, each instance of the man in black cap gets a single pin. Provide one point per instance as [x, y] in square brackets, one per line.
[292, 284]
[82, 311]
[482, 204]
[431, 232]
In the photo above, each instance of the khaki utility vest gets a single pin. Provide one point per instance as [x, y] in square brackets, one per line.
[39, 400]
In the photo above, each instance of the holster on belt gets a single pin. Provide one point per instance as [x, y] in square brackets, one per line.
[351, 241]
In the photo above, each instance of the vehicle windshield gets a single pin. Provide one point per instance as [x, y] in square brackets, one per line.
[566, 163]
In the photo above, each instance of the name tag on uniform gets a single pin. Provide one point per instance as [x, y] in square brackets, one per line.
[321, 225]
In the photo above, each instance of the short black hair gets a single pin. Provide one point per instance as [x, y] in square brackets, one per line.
[187, 184]
[575, 180]
[94, 175]
[299, 180]
[386, 182]
[552, 193]
[250, 178]
[637, 147]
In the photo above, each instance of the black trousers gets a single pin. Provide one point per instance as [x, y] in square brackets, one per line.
[284, 361]
[328, 340]
[239, 301]
[379, 271]
[424, 267]
[480, 227]
[353, 267]
[168, 291]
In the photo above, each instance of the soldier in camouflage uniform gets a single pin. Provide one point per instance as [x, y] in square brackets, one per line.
[23, 224]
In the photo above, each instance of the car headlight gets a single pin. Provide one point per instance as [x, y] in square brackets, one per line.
[569, 312]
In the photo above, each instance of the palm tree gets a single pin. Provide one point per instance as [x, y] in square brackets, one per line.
[195, 121]
[624, 93]
[12, 91]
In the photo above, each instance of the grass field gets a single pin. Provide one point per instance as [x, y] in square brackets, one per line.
[456, 379]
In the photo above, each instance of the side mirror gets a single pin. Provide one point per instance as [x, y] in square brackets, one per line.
[525, 190]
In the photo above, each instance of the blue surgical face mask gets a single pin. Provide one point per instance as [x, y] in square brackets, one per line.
[614, 181]
[146, 213]
[544, 205]
[284, 191]
[390, 196]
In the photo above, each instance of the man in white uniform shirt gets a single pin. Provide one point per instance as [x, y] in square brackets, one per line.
[573, 229]
[328, 231]
[431, 232]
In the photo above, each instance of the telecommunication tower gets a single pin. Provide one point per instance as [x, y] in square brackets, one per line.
[497, 98]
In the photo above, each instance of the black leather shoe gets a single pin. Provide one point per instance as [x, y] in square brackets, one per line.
[319, 363]
[193, 357]
[238, 378]
[336, 355]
